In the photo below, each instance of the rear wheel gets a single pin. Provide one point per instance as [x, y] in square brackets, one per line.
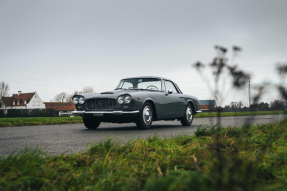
[91, 123]
[145, 118]
[188, 116]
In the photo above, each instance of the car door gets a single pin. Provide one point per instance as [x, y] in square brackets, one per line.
[173, 101]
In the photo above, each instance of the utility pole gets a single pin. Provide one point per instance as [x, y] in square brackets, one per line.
[249, 87]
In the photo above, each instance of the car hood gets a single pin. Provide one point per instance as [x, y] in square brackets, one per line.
[113, 94]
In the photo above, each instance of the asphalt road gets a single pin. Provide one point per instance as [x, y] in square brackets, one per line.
[69, 138]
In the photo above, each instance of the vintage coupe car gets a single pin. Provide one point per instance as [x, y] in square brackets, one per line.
[141, 100]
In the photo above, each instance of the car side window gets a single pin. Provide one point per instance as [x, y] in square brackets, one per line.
[127, 85]
[169, 86]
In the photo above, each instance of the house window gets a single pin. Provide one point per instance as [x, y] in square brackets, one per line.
[38, 103]
[25, 102]
[33, 103]
[14, 102]
[18, 102]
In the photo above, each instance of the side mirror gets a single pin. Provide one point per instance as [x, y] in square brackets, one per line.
[170, 91]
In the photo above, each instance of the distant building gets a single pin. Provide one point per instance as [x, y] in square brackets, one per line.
[206, 105]
[22, 101]
[62, 107]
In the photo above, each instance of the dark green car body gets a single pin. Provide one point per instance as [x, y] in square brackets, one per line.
[166, 105]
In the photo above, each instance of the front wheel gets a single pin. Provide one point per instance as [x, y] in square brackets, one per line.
[91, 123]
[188, 116]
[145, 117]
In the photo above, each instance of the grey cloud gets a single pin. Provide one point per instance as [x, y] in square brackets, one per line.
[159, 36]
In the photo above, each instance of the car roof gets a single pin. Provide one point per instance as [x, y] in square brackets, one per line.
[147, 77]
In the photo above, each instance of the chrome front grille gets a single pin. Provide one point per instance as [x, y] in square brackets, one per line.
[104, 103]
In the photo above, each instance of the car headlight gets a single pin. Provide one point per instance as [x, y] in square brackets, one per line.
[120, 99]
[128, 99]
[75, 100]
[81, 100]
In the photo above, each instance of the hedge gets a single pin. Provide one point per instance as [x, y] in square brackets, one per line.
[29, 113]
[2, 113]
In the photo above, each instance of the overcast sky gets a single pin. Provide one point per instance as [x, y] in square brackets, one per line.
[55, 46]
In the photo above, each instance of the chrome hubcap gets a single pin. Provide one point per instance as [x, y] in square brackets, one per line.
[147, 115]
[189, 115]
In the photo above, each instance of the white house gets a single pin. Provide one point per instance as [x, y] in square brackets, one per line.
[22, 101]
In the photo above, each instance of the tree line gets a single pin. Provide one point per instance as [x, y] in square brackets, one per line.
[4, 89]
[274, 105]
[65, 97]
[61, 97]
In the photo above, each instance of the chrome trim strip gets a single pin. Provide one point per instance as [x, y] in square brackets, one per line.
[199, 111]
[78, 112]
[137, 111]
[103, 112]
[106, 112]
[117, 112]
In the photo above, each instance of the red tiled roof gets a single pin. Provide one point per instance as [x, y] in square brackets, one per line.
[60, 106]
[205, 107]
[8, 101]
[23, 97]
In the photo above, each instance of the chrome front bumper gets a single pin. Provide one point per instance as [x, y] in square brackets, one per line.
[99, 113]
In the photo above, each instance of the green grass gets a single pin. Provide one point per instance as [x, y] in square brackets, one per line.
[246, 158]
[227, 114]
[28, 121]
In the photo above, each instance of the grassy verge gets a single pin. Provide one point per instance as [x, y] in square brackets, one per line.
[227, 114]
[246, 158]
[27, 121]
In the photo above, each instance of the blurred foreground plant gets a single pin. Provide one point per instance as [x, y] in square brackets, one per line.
[220, 68]
[223, 69]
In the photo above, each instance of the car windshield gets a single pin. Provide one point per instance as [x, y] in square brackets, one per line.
[140, 83]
